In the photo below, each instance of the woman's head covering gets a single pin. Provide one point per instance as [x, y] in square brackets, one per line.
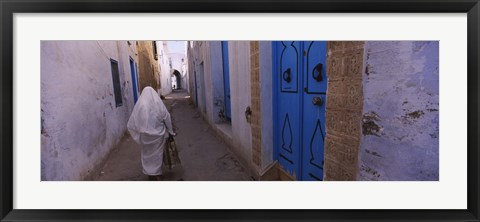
[147, 115]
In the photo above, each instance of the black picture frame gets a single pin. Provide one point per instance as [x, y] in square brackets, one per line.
[9, 7]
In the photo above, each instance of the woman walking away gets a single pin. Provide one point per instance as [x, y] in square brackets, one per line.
[148, 125]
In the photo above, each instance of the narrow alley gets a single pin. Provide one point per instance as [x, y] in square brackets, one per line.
[204, 156]
[242, 110]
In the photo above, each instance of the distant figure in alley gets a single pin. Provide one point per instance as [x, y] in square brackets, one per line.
[148, 125]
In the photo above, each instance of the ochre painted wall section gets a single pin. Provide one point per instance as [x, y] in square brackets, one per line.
[148, 72]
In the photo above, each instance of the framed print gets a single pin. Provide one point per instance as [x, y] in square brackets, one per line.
[259, 111]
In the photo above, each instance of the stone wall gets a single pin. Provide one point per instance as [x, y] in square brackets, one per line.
[256, 116]
[343, 109]
[148, 71]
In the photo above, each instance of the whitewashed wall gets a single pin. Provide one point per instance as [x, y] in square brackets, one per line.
[216, 81]
[177, 64]
[210, 54]
[239, 62]
[400, 111]
[80, 123]
[165, 76]
[266, 94]
[190, 73]
[202, 67]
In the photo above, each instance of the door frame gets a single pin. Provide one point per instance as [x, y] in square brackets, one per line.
[133, 74]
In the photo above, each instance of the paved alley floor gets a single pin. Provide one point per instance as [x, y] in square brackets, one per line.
[204, 157]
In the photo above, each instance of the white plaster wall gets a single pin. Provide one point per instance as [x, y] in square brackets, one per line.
[190, 68]
[197, 59]
[177, 60]
[400, 124]
[80, 123]
[239, 62]
[202, 54]
[217, 88]
[266, 96]
[178, 65]
[210, 54]
[126, 51]
[184, 72]
[208, 84]
[165, 76]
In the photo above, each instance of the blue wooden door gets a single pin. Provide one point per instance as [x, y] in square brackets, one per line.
[288, 90]
[226, 79]
[134, 80]
[300, 82]
[313, 113]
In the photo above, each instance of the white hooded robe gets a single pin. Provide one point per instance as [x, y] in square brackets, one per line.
[148, 125]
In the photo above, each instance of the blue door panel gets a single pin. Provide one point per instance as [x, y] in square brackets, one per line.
[288, 129]
[289, 66]
[315, 67]
[226, 79]
[136, 75]
[134, 80]
[300, 107]
[314, 97]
